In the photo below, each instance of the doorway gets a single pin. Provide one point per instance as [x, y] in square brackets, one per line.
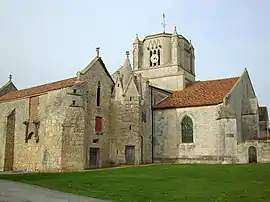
[252, 154]
[94, 154]
[9, 145]
[130, 154]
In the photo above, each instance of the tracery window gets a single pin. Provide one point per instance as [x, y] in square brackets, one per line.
[187, 130]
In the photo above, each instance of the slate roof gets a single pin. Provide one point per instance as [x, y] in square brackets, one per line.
[38, 89]
[199, 93]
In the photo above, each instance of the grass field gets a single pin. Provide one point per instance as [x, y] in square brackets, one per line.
[193, 183]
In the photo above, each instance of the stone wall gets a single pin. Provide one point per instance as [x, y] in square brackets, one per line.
[73, 149]
[126, 130]
[206, 132]
[55, 130]
[21, 115]
[9, 144]
[43, 150]
[262, 150]
[242, 98]
[263, 125]
[94, 75]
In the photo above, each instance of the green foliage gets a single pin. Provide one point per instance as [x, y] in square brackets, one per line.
[192, 183]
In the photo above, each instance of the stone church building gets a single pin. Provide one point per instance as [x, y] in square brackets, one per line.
[153, 110]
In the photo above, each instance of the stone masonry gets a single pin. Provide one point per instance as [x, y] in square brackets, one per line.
[151, 111]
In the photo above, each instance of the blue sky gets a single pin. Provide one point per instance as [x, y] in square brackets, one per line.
[44, 41]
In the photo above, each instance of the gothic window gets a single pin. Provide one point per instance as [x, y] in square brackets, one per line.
[98, 94]
[187, 130]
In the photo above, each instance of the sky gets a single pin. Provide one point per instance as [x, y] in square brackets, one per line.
[45, 41]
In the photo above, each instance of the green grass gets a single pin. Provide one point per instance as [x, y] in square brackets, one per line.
[193, 183]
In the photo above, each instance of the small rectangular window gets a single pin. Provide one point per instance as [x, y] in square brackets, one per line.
[73, 102]
[74, 90]
[98, 124]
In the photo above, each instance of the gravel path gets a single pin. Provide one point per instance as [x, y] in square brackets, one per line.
[18, 192]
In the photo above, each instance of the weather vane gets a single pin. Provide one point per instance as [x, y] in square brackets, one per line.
[163, 23]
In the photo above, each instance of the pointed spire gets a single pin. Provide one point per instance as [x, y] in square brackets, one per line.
[126, 70]
[136, 39]
[174, 31]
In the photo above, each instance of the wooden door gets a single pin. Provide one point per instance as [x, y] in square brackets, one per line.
[252, 154]
[94, 157]
[130, 154]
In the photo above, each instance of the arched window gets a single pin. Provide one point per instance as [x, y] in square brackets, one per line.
[187, 130]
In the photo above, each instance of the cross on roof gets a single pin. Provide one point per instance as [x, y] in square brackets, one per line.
[163, 23]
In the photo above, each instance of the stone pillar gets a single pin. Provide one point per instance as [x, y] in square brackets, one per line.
[228, 134]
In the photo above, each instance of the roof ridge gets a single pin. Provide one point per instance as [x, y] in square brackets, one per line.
[235, 77]
[39, 89]
[49, 83]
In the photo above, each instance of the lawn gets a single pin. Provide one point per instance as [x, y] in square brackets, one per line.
[157, 183]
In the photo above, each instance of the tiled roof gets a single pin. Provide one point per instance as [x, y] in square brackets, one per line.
[199, 93]
[38, 89]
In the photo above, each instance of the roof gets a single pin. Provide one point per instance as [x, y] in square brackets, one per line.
[263, 114]
[8, 87]
[199, 93]
[39, 89]
[97, 59]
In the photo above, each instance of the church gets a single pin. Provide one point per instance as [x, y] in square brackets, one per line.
[151, 111]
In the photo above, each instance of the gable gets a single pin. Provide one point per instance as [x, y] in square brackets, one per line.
[131, 88]
[97, 64]
[244, 84]
[118, 88]
[8, 87]
[158, 95]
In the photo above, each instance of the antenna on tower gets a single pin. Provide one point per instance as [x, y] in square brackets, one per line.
[163, 23]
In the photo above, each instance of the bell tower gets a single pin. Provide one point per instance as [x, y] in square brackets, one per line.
[165, 59]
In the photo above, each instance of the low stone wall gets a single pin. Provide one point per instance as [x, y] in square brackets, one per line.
[262, 151]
